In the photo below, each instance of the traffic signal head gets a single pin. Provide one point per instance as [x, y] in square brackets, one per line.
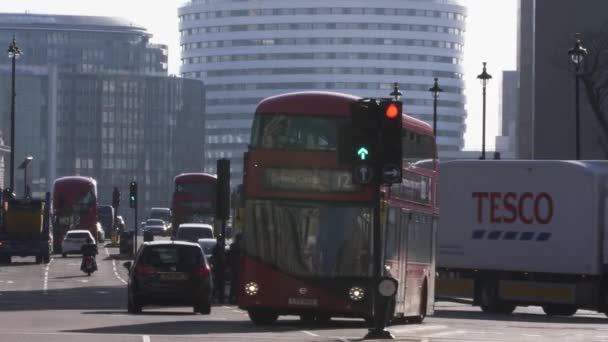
[222, 211]
[365, 127]
[391, 126]
[391, 111]
[133, 194]
[115, 198]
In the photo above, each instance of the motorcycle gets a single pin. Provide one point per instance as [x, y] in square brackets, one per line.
[88, 264]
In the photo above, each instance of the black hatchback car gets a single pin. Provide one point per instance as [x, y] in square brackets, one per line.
[171, 273]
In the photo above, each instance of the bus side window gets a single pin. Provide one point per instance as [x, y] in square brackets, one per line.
[417, 147]
[420, 235]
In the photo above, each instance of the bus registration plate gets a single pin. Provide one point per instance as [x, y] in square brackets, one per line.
[303, 301]
[173, 276]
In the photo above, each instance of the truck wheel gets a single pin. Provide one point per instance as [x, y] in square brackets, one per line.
[5, 259]
[262, 317]
[46, 259]
[204, 308]
[559, 309]
[64, 255]
[133, 305]
[39, 259]
[490, 303]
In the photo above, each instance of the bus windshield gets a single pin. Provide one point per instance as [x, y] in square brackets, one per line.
[296, 132]
[195, 188]
[80, 205]
[70, 214]
[190, 217]
[311, 239]
[161, 214]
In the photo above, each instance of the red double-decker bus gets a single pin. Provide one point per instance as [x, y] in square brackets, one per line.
[194, 198]
[308, 229]
[74, 207]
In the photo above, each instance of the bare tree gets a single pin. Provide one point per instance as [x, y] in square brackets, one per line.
[594, 76]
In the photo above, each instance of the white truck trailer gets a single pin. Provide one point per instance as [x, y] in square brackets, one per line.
[524, 232]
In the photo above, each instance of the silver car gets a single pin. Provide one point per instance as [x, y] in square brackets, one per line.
[73, 241]
[156, 227]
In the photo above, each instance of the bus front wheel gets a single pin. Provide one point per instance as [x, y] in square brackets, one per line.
[422, 307]
[262, 317]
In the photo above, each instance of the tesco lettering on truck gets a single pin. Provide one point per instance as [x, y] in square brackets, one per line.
[511, 207]
[524, 232]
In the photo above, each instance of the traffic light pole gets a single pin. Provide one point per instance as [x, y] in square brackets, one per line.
[378, 331]
[135, 230]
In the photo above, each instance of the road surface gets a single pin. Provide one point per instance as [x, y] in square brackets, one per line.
[57, 302]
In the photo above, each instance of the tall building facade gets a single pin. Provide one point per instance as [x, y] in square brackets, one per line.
[247, 50]
[508, 112]
[94, 99]
[546, 123]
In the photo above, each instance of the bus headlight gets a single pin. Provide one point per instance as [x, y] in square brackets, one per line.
[387, 287]
[251, 288]
[356, 293]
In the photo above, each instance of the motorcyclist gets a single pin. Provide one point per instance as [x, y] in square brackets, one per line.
[89, 248]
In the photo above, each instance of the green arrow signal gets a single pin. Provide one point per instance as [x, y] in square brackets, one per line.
[362, 153]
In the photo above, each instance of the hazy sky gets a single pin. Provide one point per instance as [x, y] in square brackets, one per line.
[490, 37]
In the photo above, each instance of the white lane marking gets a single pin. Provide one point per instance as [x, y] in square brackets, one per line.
[309, 333]
[532, 335]
[83, 281]
[114, 268]
[145, 338]
[407, 329]
[447, 333]
[45, 284]
[10, 282]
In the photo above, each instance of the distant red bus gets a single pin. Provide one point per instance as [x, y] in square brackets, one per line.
[193, 199]
[74, 207]
[308, 229]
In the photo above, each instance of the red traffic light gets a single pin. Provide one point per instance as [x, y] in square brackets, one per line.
[392, 111]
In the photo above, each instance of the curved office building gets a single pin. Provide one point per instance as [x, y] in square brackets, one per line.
[247, 50]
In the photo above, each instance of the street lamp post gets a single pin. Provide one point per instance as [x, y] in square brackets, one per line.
[577, 54]
[23, 166]
[484, 77]
[435, 90]
[13, 53]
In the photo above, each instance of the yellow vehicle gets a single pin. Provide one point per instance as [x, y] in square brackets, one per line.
[25, 229]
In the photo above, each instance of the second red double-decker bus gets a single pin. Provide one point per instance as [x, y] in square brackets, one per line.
[74, 207]
[308, 229]
[194, 199]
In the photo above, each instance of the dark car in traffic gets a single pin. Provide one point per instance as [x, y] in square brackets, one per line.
[171, 273]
